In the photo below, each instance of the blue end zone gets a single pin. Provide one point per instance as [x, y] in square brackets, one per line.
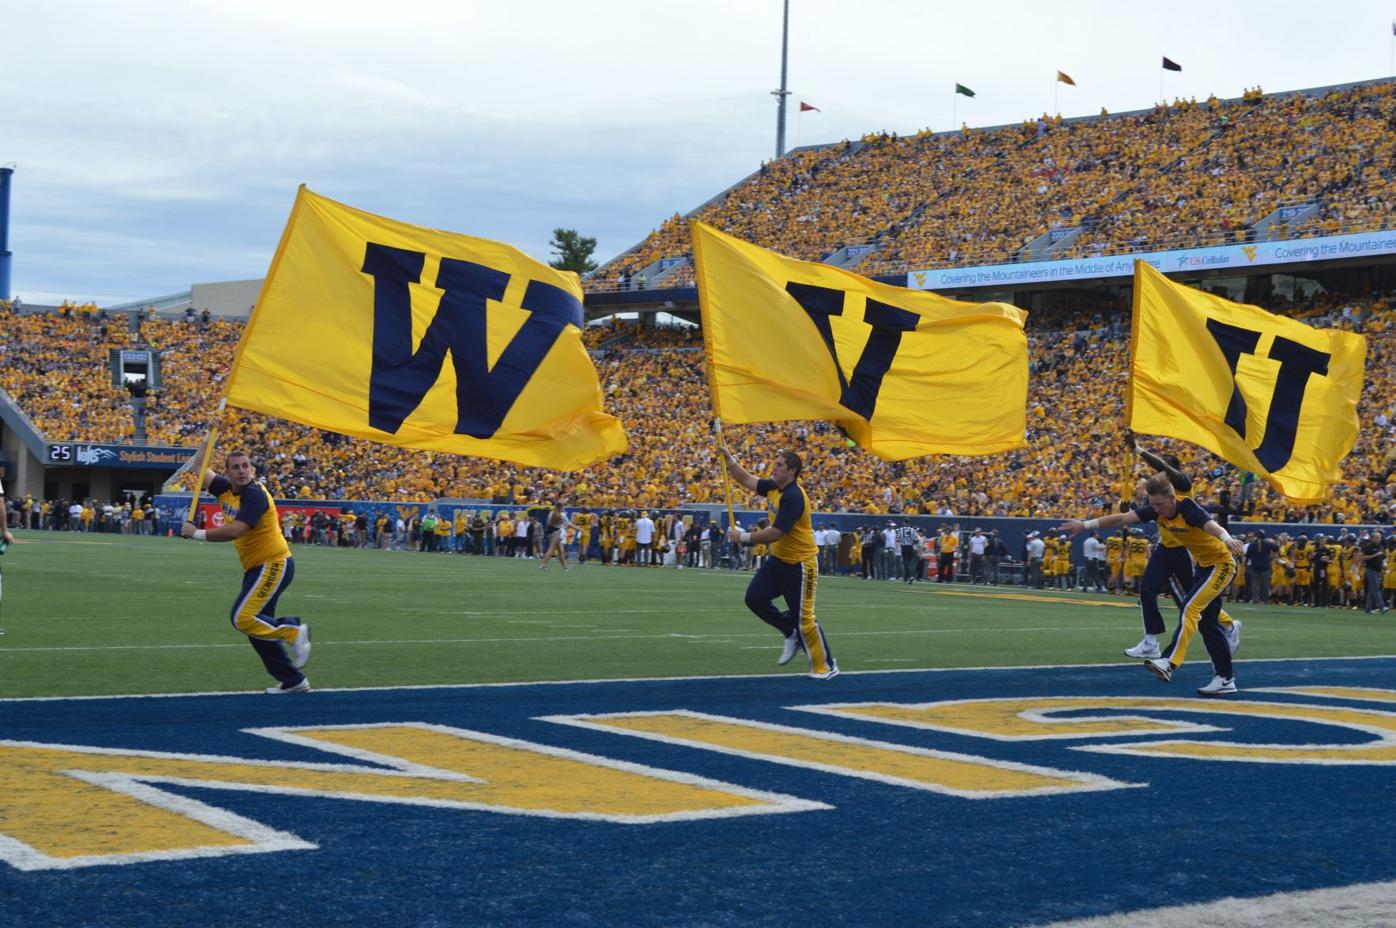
[883, 855]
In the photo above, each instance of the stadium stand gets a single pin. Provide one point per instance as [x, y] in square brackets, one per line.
[1184, 174]
[55, 366]
[1292, 164]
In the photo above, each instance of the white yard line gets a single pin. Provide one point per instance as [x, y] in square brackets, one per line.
[543, 638]
[675, 679]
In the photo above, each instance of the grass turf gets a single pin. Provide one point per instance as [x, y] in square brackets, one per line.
[101, 614]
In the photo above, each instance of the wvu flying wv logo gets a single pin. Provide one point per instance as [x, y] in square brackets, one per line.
[1250, 251]
[65, 806]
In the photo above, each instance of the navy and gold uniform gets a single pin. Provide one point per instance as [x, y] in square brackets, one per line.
[791, 572]
[268, 569]
[1169, 568]
[1216, 568]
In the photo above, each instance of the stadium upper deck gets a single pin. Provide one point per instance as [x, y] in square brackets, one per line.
[1183, 174]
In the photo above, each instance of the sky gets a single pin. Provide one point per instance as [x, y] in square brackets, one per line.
[159, 144]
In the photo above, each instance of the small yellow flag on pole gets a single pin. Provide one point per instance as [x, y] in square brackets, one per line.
[1269, 394]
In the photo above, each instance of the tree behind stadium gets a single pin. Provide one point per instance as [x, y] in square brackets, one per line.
[573, 251]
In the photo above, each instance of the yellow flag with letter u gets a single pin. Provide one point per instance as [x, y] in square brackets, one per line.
[1269, 394]
[903, 372]
[424, 339]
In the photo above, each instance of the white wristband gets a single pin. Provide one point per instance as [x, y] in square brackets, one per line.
[200, 535]
[1091, 524]
[746, 538]
[1225, 536]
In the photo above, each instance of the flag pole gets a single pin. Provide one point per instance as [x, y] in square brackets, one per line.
[706, 319]
[1128, 409]
[205, 454]
[726, 476]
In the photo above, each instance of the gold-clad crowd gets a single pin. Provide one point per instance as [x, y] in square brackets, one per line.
[55, 367]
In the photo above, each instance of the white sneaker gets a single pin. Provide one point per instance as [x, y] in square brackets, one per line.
[1220, 686]
[793, 645]
[300, 648]
[832, 672]
[301, 687]
[1143, 650]
[1233, 637]
[1160, 668]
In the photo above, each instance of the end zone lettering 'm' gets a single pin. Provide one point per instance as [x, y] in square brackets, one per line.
[64, 806]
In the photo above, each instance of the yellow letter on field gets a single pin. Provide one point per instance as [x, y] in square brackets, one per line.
[963, 775]
[1041, 718]
[64, 806]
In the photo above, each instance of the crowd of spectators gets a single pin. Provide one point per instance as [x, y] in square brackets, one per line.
[1180, 174]
[655, 382]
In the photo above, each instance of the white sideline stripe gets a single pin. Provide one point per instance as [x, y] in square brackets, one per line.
[1364, 905]
[674, 679]
[715, 637]
[910, 607]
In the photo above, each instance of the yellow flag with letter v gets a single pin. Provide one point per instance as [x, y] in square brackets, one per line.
[423, 339]
[1267, 393]
[904, 373]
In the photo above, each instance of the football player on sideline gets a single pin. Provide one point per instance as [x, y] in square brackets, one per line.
[252, 525]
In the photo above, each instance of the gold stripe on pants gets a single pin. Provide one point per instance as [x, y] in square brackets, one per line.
[1217, 581]
[820, 660]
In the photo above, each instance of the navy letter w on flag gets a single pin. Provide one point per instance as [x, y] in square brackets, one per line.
[401, 378]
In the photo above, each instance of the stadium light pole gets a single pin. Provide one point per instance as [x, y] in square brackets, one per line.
[6, 171]
[782, 93]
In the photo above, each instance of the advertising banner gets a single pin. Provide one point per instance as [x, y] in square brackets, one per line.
[1219, 257]
[86, 454]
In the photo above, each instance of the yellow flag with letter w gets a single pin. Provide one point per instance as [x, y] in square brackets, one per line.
[1269, 394]
[903, 372]
[424, 339]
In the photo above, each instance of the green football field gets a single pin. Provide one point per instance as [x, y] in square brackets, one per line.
[97, 614]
